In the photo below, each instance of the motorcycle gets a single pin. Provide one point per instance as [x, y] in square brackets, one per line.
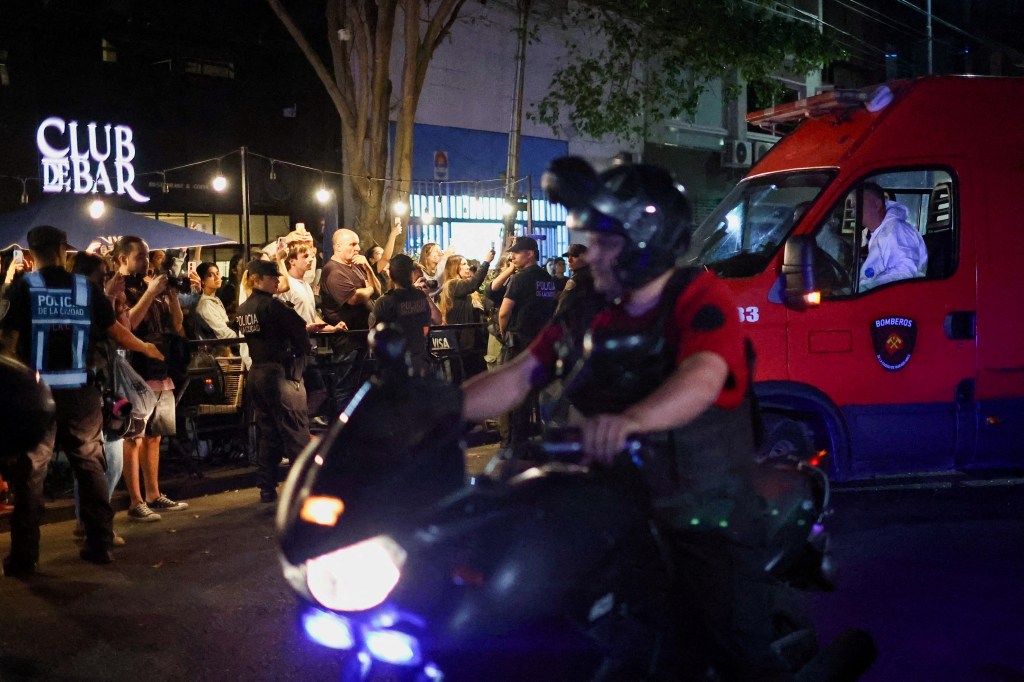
[557, 573]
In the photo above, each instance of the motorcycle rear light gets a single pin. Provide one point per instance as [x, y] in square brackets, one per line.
[391, 646]
[328, 629]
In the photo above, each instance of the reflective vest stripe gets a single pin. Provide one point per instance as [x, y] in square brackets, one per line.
[68, 379]
[40, 346]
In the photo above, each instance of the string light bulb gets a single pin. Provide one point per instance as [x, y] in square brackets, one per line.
[97, 208]
[220, 183]
[322, 195]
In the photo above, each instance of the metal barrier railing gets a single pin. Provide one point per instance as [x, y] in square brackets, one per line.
[220, 420]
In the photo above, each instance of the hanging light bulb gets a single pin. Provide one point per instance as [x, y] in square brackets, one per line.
[164, 186]
[426, 217]
[322, 195]
[220, 183]
[97, 208]
[400, 208]
[273, 170]
[24, 190]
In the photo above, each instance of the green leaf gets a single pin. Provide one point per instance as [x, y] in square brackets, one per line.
[631, 63]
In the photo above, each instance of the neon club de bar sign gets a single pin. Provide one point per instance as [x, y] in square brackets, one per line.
[87, 161]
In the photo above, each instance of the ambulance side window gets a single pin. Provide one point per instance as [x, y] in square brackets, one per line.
[922, 201]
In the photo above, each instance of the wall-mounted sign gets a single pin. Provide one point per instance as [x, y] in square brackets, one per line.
[440, 165]
[96, 159]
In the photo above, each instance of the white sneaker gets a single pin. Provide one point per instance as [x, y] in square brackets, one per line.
[141, 513]
[164, 504]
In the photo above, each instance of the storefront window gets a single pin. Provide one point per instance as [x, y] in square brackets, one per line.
[172, 218]
[229, 226]
[277, 226]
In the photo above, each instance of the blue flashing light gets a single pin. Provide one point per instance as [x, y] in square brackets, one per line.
[391, 646]
[328, 629]
[433, 672]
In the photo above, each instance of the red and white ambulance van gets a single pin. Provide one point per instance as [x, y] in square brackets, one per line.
[913, 376]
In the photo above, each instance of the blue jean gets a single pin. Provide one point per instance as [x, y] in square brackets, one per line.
[114, 453]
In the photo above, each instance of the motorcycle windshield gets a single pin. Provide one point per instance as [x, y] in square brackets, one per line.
[395, 450]
[746, 230]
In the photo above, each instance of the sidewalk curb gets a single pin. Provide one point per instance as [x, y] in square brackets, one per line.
[181, 487]
[185, 486]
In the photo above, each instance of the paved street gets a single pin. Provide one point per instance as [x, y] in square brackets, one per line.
[933, 574]
[198, 596]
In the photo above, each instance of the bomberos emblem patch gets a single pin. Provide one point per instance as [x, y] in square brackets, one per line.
[894, 339]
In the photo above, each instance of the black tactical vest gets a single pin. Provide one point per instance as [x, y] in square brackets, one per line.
[700, 475]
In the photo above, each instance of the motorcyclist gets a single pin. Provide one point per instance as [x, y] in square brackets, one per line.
[669, 362]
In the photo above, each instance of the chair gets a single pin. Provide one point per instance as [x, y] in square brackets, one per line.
[221, 418]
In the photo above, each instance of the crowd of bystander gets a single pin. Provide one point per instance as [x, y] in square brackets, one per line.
[144, 305]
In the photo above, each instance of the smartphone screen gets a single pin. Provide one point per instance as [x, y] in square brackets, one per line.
[19, 257]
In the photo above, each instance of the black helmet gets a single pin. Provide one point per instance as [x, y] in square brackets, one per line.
[639, 202]
[26, 408]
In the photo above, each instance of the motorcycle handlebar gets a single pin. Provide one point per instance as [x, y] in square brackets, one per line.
[566, 444]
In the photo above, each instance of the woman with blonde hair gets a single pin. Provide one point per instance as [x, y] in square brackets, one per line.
[433, 262]
[462, 304]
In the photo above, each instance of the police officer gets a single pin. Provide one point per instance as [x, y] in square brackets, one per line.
[668, 361]
[278, 345]
[52, 325]
[527, 307]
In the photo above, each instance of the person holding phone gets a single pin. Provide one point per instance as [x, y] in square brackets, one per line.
[299, 296]
[16, 267]
[211, 315]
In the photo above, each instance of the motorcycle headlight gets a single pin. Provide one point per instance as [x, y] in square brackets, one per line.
[357, 577]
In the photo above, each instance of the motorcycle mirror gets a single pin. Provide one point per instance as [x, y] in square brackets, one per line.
[571, 181]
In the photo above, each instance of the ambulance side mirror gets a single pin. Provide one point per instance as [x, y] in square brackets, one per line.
[801, 291]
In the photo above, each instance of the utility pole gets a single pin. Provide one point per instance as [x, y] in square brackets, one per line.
[515, 126]
[246, 237]
[930, 63]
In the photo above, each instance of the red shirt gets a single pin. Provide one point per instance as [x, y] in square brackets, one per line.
[704, 319]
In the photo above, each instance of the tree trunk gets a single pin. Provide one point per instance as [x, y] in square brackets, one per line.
[360, 35]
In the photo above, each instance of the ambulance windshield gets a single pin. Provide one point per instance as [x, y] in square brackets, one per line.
[742, 235]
